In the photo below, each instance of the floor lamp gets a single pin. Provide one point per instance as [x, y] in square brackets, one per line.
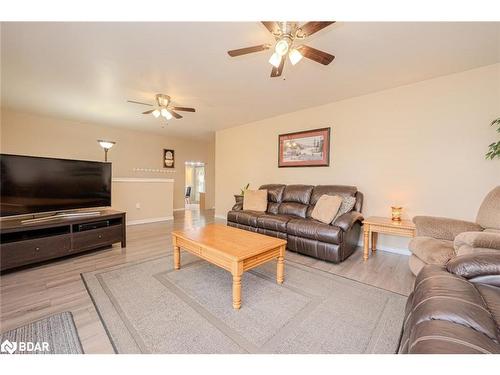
[106, 145]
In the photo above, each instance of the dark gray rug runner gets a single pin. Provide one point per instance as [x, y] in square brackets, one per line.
[148, 307]
[55, 334]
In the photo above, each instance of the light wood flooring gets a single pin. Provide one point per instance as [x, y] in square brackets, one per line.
[34, 293]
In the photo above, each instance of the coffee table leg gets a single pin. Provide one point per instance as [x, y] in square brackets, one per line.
[280, 268]
[236, 291]
[177, 257]
[237, 271]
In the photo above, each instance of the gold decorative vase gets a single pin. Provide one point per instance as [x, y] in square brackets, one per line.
[396, 213]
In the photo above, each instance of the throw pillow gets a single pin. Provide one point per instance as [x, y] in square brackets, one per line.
[346, 206]
[255, 200]
[326, 208]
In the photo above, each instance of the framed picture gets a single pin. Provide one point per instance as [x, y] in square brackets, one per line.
[310, 148]
[168, 158]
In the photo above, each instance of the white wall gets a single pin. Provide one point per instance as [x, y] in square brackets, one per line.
[29, 134]
[421, 146]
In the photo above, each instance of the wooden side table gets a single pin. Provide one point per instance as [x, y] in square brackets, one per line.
[374, 225]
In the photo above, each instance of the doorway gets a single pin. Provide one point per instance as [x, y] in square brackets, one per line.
[195, 185]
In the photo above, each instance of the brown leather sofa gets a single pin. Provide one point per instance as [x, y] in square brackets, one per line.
[288, 216]
[455, 309]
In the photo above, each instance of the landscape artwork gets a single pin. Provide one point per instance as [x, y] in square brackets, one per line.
[310, 148]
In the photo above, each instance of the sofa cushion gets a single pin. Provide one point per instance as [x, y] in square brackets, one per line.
[431, 250]
[346, 206]
[273, 208]
[274, 192]
[297, 194]
[488, 215]
[415, 264]
[439, 295]
[315, 230]
[273, 222]
[340, 190]
[326, 208]
[255, 200]
[248, 218]
[292, 208]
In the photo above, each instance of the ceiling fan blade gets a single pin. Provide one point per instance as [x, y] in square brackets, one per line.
[186, 109]
[276, 72]
[175, 114]
[148, 112]
[316, 55]
[244, 51]
[272, 26]
[133, 101]
[312, 27]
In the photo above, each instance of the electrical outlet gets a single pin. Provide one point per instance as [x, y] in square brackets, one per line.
[138, 206]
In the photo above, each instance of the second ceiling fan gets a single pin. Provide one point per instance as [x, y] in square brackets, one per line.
[164, 107]
[286, 34]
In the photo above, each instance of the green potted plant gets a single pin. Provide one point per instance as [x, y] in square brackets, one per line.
[239, 197]
[494, 148]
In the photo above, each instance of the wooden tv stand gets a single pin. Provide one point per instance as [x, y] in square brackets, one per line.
[22, 244]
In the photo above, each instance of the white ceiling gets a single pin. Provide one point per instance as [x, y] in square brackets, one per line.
[87, 71]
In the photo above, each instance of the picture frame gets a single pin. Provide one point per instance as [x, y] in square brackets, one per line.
[308, 148]
[168, 158]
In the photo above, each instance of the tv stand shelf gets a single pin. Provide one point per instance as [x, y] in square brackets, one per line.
[22, 244]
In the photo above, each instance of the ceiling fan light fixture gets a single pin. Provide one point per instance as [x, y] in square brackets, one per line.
[295, 56]
[282, 47]
[275, 60]
[156, 113]
[165, 113]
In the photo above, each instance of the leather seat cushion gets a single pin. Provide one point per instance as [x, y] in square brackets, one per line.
[248, 218]
[439, 295]
[315, 230]
[431, 250]
[273, 222]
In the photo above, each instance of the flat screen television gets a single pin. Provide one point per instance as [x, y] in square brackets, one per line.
[31, 185]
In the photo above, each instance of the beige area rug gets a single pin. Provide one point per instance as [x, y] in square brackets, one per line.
[148, 307]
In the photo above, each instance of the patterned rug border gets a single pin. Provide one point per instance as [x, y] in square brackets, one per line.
[170, 254]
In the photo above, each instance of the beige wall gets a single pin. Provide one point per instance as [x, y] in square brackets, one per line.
[28, 134]
[143, 199]
[421, 146]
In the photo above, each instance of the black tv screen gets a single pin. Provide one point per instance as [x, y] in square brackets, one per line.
[32, 185]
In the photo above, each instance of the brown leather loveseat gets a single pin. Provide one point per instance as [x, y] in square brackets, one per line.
[288, 216]
[455, 309]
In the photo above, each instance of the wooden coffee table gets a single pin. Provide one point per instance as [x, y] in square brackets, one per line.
[233, 249]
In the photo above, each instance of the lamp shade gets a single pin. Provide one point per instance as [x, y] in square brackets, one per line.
[165, 113]
[106, 144]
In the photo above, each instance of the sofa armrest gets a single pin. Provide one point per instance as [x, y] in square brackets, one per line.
[443, 228]
[475, 265]
[470, 242]
[347, 220]
[238, 206]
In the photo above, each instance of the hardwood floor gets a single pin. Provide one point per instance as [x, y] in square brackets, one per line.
[34, 293]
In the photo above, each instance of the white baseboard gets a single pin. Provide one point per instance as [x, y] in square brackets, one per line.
[179, 209]
[151, 220]
[389, 249]
[220, 217]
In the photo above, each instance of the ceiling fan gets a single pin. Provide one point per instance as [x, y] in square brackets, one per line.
[164, 107]
[286, 34]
